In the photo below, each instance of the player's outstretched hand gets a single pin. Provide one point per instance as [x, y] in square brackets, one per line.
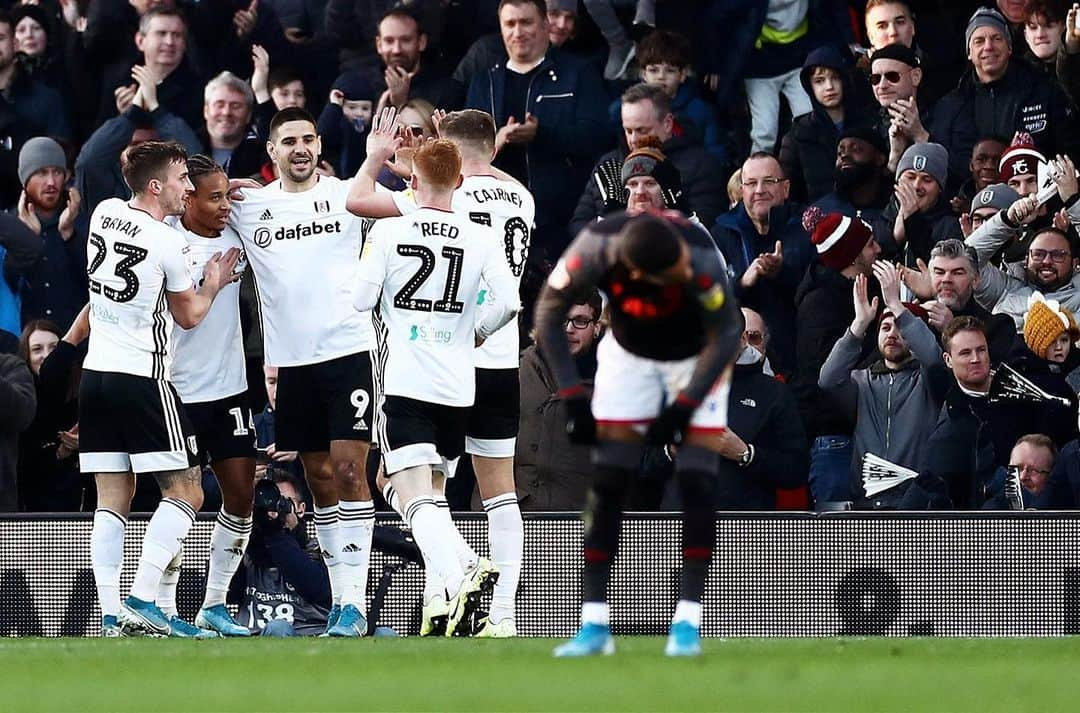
[220, 270]
[383, 139]
[670, 427]
[580, 424]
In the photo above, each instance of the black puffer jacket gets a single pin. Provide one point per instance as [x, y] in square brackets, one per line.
[808, 151]
[922, 231]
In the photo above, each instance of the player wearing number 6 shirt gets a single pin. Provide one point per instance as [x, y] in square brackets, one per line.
[674, 330]
[303, 246]
[427, 267]
[209, 375]
[130, 418]
[486, 196]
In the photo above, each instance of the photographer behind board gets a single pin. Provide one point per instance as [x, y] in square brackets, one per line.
[282, 586]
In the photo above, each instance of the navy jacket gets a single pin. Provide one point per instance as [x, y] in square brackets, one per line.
[568, 99]
[773, 297]
[55, 287]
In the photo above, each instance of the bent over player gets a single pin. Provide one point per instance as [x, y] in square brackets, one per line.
[673, 333]
[428, 266]
[130, 419]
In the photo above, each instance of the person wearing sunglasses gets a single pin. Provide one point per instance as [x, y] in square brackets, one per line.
[895, 76]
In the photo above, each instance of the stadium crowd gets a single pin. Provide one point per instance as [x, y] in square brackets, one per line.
[888, 182]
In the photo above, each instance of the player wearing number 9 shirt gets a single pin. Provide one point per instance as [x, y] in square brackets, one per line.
[303, 246]
[486, 196]
[130, 418]
[423, 270]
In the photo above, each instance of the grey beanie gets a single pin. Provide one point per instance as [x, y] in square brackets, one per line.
[926, 157]
[987, 17]
[998, 196]
[38, 153]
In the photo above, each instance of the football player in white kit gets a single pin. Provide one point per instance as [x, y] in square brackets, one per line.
[130, 419]
[303, 247]
[423, 271]
[486, 196]
[209, 374]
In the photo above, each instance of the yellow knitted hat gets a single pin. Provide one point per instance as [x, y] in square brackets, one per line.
[1044, 322]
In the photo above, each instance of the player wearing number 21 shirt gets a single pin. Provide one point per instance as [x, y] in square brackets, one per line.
[488, 197]
[423, 271]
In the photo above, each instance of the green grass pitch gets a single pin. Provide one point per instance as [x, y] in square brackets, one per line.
[511, 675]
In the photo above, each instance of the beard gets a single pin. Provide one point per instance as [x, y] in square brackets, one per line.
[850, 179]
[1051, 285]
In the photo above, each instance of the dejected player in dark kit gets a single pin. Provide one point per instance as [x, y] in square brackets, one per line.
[662, 378]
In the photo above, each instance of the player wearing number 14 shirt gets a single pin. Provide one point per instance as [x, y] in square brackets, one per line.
[131, 421]
[303, 246]
[423, 271]
[492, 198]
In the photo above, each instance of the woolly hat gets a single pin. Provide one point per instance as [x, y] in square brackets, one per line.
[898, 52]
[986, 17]
[1021, 158]
[38, 153]
[998, 196]
[1044, 322]
[867, 134]
[839, 239]
[928, 158]
[35, 13]
[355, 86]
[649, 160]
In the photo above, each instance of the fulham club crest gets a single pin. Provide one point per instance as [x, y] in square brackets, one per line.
[322, 206]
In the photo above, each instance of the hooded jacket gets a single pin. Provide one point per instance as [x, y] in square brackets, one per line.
[774, 297]
[824, 311]
[808, 151]
[896, 408]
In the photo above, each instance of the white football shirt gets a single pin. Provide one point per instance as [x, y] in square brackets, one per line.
[304, 249]
[430, 265]
[132, 260]
[208, 361]
[508, 208]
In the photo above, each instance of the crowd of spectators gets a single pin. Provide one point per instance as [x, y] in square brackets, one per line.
[888, 182]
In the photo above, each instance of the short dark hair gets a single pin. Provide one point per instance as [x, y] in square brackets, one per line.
[34, 325]
[665, 47]
[650, 243]
[471, 127]
[291, 113]
[592, 300]
[649, 92]
[160, 11]
[200, 165]
[540, 5]
[402, 14]
[1039, 440]
[149, 160]
[965, 323]
[1053, 230]
[280, 76]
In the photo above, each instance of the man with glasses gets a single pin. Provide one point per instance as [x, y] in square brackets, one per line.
[1049, 266]
[998, 97]
[1024, 484]
[767, 250]
[895, 75]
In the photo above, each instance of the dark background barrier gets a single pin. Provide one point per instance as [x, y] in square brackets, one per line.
[800, 574]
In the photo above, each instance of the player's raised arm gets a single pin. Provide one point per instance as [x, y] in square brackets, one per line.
[507, 302]
[188, 307]
[382, 141]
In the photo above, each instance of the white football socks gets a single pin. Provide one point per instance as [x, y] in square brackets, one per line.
[595, 613]
[228, 541]
[326, 531]
[466, 555]
[429, 530]
[356, 523]
[688, 611]
[164, 537]
[166, 596]
[506, 535]
[107, 557]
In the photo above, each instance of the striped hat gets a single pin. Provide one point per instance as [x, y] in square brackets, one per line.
[839, 239]
[1021, 158]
